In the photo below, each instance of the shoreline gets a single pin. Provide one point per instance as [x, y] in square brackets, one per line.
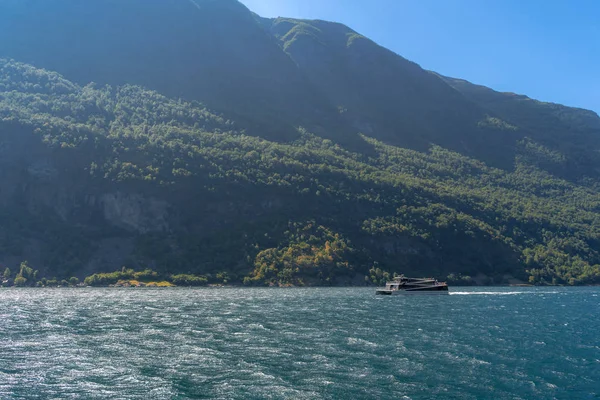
[217, 286]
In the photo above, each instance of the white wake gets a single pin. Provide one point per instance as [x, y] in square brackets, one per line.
[498, 293]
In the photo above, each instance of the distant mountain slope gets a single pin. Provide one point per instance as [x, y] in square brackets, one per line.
[205, 50]
[270, 75]
[278, 151]
[379, 91]
[571, 135]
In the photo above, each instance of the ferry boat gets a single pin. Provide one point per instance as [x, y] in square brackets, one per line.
[401, 285]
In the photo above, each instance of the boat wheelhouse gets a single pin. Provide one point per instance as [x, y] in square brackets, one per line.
[403, 285]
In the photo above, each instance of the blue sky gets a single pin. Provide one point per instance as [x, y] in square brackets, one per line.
[546, 49]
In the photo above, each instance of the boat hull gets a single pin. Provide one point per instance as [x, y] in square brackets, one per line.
[411, 292]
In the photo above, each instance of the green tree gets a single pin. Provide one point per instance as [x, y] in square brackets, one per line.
[26, 271]
[20, 281]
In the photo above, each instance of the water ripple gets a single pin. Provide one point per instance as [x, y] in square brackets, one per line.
[298, 344]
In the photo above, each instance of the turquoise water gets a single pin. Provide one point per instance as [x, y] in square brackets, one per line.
[240, 343]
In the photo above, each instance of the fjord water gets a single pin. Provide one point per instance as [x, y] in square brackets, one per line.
[241, 343]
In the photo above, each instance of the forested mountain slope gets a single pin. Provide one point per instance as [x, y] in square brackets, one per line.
[275, 152]
[206, 50]
[567, 138]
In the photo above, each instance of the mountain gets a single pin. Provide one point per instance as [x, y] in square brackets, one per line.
[197, 137]
[570, 133]
[206, 50]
